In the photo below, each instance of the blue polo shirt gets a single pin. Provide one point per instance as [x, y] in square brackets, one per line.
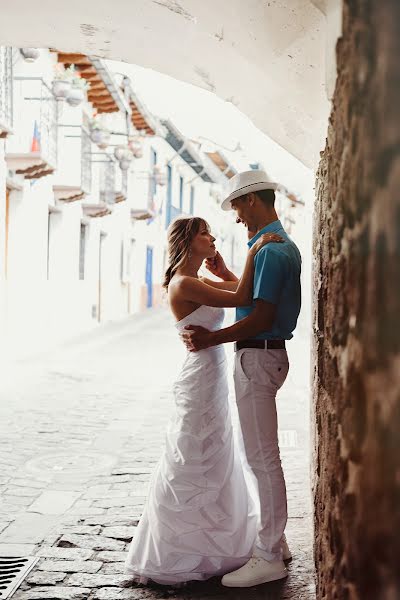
[276, 280]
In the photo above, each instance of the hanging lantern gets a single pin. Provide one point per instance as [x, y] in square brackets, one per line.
[119, 152]
[30, 54]
[75, 96]
[136, 146]
[61, 88]
[124, 164]
[101, 137]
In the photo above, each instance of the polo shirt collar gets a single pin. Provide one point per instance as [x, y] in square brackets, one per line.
[273, 227]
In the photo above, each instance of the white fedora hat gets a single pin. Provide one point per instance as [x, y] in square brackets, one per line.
[246, 182]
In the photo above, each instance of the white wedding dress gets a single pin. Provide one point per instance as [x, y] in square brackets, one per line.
[198, 520]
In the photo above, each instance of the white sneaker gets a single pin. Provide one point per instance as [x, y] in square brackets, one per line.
[254, 572]
[286, 554]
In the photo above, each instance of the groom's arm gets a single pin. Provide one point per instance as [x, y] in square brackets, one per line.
[268, 283]
[259, 320]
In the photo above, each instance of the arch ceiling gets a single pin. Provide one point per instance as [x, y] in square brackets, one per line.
[266, 57]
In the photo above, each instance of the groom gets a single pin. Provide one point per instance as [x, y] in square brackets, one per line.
[261, 363]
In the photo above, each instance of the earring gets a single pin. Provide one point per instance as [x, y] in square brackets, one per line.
[190, 254]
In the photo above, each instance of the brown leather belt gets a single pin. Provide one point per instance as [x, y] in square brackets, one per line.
[263, 344]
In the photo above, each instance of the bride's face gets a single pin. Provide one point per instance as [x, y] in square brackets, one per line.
[203, 244]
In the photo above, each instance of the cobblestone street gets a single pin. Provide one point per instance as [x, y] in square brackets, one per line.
[81, 428]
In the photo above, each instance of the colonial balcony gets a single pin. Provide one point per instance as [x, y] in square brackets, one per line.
[141, 214]
[103, 196]
[73, 178]
[6, 107]
[222, 163]
[104, 92]
[32, 148]
[121, 193]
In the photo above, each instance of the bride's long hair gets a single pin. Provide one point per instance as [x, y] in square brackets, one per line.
[180, 235]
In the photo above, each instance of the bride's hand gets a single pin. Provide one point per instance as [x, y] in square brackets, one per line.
[266, 238]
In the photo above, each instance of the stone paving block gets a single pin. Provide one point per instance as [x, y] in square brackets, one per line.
[65, 553]
[6, 508]
[97, 491]
[17, 549]
[119, 533]
[97, 580]
[4, 525]
[140, 491]
[20, 501]
[54, 593]
[135, 512]
[95, 542]
[131, 471]
[112, 521]
[106, 556]
[45, 578]
[113, 593]
[54, 502]
[21, 491]
[123, 492]
[111, 568]
[70, 566]
[26, 483]
[86, 513]
[113, 479]
[82, 529]
[120, 501]
[28, 528]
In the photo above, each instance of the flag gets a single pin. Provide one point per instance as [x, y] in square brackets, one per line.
[35, 146]
[153, 208]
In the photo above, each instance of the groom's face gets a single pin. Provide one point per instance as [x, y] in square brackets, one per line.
[244, 211]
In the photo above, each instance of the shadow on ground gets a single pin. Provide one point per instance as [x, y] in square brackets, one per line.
[210, 590]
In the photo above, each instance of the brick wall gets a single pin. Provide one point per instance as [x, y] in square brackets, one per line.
[356, 379]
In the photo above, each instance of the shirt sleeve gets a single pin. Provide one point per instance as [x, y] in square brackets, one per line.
[269, 275]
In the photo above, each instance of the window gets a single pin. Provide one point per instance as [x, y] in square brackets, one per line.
[153, 182]
[48, 243]
[191, 200]
[82, 251]
[168, 216]
[181, 194]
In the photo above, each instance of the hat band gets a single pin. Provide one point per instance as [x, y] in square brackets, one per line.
[250, 185]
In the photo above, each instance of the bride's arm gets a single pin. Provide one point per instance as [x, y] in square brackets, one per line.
[217, 267]
[199, 292]
[221, 285]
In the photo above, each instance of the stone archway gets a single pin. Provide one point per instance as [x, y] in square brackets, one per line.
[357, 252]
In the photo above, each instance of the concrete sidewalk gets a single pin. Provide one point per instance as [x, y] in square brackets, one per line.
[81, 429]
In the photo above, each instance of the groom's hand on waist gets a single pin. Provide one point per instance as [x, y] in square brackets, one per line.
[196, 338]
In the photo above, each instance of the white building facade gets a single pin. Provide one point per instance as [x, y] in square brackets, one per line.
[88, 188]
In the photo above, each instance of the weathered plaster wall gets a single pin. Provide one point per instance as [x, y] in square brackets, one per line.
[357, 315]
[267, 58]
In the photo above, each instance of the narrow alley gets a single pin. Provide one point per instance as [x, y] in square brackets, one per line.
[80, 431]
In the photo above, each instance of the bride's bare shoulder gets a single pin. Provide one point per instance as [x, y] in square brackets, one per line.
[181, 282]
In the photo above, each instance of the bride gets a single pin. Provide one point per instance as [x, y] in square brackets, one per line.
[198, 521]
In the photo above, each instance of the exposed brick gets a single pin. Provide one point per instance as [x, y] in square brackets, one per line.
[356, 376]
